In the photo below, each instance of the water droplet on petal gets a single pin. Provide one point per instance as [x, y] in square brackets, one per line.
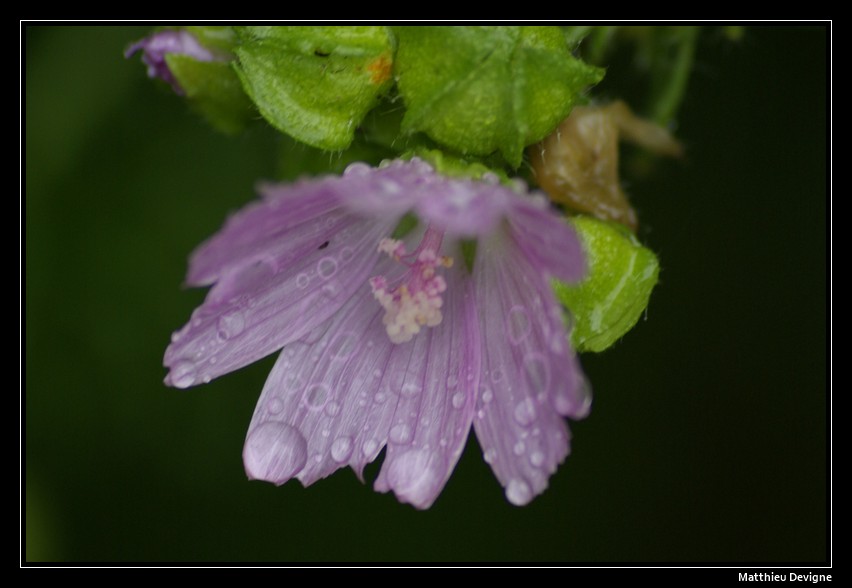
[275, 405]
[380, 397]
[369, 448]
[458, 400]
[346, 254]
[332, 409]
[410, 390]
[490, 455]
[302, 280]
[327, 267]
[341, 449]
[518, 324]
[518, 492]
[537, 459]
[401, 434]
[487, 395]
[452, 381]
[176, 336]
[536, 373]
[377, 373]
[316, 396]
[274, 452]
[231, 324]
[416, 475]
[497, 375]
[357, 169]
[183, 374]
[519, 448]
[525, 412]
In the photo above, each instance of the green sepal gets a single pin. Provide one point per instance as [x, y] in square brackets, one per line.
[315, 83]
[214, 90]
[478, 90]
[621, 275]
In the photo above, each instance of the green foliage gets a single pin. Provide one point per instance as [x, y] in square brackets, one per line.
[610, 300]
[478, 90]
[214, 90]
[315, 83]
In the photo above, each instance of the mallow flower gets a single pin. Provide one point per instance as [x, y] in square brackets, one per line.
[393, 339]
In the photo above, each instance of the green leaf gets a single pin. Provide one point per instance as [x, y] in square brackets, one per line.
[315, 83]
[482, 89]
[214, 90]
[612, 297]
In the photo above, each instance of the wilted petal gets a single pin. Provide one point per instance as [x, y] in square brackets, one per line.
[157, 46]
[529, 375]
[547, 240]
[256, 309]
[437, 393]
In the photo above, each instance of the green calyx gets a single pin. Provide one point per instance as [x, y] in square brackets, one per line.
[621, 275]
[478, 90]
[315, 83]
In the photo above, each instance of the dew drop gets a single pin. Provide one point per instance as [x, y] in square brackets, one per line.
[490, 455]
[458, 400]
[519, 448]
[357, 169]
[341, 449]
[410, 390]
[487, 395]
[401, 434]
[176, 336]
[518, 492]
[302, 280]
[452, 381]
[377, 373]
[275, 405]
[332, 409]
[380, 397]
[518, 324]
[316, 396]
[536, 373]
[231, 324]
[274, 452]
[327, 267]
[346, 254]
[537, 459]
[497, 375]
[369, 448]
[525, 412]
[183, 374]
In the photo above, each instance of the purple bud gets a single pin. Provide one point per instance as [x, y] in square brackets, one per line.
[157, 46]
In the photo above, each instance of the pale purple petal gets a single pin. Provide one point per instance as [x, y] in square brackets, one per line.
[547, 240]
[530, 375]
[465, 207]
[289, 222]
[386, 192]
[433, 415]
[157, 46]
[256, 309]
[333, 394]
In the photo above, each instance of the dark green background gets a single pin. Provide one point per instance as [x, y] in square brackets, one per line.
[707, 440]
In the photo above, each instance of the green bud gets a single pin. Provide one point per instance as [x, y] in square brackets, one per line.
[478, 90]
[615, 293]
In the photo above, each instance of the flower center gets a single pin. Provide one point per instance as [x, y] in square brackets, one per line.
[415, 299]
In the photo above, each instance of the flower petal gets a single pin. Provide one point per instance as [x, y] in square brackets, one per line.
[258, 308]
[547, 240]
[289, 222]
[530, 376]
[437, 401]
[463, 207]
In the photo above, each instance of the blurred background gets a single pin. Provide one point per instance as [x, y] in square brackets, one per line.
[707, 441]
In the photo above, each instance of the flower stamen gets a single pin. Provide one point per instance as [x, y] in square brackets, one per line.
[417, 301]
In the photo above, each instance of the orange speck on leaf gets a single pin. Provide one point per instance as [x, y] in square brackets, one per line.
[380, 69]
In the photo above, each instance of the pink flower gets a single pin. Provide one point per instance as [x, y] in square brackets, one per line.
[393, 343]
